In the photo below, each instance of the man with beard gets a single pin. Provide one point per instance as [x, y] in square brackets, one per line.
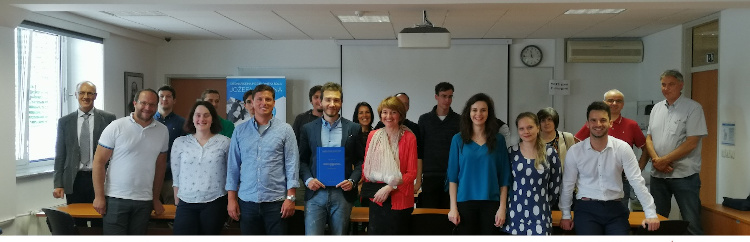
[594, 166]
[137, 146]
[330, 204]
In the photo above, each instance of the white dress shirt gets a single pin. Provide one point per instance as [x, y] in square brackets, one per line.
[88, 163]
[598, 175]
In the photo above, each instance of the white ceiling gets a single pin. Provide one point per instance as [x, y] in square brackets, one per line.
[316, 19]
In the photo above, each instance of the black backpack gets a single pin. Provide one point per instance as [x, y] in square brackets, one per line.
[737, 203]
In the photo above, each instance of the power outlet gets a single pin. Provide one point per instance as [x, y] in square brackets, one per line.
[727, 153]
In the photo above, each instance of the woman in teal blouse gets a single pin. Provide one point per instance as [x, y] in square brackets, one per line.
[478, 170]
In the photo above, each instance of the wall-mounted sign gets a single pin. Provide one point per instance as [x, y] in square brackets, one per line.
[727, 134]
[559, 87]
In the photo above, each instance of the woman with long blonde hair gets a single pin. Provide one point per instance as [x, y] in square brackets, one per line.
[536, 180]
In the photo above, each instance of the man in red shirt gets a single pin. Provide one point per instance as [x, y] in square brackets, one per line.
[622, 128]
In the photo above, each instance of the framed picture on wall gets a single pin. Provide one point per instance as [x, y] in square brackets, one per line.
[133, 83]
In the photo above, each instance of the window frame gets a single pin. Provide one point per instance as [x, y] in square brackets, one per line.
[24, 166]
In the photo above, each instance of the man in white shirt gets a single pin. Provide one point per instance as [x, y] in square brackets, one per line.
[137, 145]
[595, 165]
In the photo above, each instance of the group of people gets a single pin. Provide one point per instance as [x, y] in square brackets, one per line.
[462, 162]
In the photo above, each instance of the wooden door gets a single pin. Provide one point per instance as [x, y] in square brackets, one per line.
[189, 90]
[705, 91]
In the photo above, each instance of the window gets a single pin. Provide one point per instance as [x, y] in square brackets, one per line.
[49, 64]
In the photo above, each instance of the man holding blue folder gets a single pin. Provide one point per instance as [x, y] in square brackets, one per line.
[329, 166]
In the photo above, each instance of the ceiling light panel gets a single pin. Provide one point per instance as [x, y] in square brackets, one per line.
[134, 13]
[595, 11]
[364, 19]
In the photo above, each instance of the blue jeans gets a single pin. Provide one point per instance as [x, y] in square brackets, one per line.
[686, 192]
[601, 218]
[327, 205]
[262, 218]
[200, 218]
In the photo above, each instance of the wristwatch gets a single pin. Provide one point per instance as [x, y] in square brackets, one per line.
[291, 198]
[395, 187]
[350, 180]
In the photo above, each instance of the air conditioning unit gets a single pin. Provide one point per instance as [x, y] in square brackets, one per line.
[604, 51]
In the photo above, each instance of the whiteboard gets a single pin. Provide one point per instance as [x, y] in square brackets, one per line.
[528, 90]
[370, 73]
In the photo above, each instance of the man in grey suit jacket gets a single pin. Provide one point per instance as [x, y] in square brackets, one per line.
[73, 162]
[329, 203]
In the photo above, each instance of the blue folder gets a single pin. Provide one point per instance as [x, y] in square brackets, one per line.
[330, 165]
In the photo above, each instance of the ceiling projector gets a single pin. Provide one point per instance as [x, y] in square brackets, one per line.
[424, 36]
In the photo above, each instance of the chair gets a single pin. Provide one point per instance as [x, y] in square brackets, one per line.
[60, 223]
[431, 224]
[668, 227]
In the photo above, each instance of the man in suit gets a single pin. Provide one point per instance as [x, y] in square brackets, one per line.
[332, 204]
[73, 158]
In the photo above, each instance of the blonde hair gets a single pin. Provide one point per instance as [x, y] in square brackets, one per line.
[541, 147]
[393, 103]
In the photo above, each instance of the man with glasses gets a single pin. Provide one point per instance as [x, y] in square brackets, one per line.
[77, 136]
[622, 128]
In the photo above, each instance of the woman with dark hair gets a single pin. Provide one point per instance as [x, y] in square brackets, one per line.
[561, 141]
[536, 180]
[389, 169]
[478, 170]
[199, 171]
[363, 116]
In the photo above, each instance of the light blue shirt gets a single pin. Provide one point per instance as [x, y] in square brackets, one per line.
[330, 136]
[263, 166]
[669, 127]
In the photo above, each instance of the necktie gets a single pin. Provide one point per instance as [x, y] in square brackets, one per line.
[84, 141]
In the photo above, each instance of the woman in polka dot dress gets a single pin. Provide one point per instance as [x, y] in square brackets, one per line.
[535, 167]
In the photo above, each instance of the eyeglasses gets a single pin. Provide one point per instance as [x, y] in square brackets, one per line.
[614, 101]
[86, 94]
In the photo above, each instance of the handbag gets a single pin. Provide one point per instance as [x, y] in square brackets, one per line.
[737, 203]
[370, 188]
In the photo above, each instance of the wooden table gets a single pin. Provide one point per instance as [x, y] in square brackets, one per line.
[86, 210]
[359, 214]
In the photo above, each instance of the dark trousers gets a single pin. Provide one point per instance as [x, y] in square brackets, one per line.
[83, 189]
[601, 218]
[686, 192]
[200, 218]
[126, 217]
[433, 193]
[386, 221]
[478, 218]
[262, 218]
[83, 192]
[626, 190]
